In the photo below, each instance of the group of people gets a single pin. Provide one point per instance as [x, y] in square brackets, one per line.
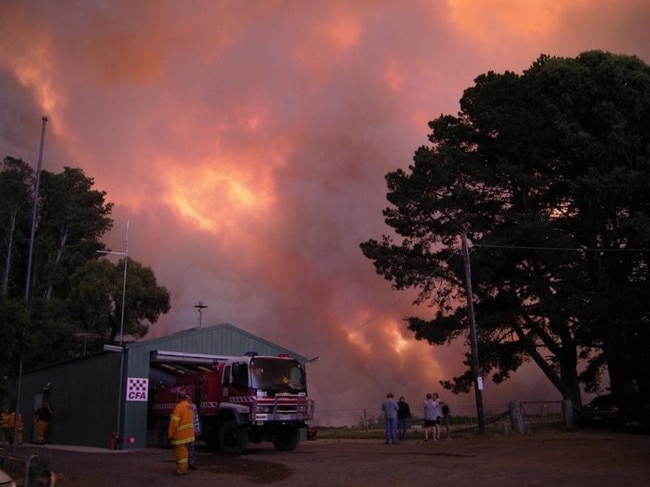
[42, 419]
[397, 415]
[8, 426]
[184, 428]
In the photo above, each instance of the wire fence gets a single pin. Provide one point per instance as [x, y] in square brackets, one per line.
[534, 414]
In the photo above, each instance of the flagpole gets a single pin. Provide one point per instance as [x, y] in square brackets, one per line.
[28, 281]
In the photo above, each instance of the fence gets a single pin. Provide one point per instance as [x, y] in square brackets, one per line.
[26, 471]
[534, 414]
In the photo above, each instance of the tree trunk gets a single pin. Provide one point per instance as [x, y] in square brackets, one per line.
[8, 258]
[566, 382]
[615, 348]
[57, 260]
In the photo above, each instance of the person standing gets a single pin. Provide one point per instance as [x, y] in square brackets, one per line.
[429, 417]
[390, 408]
[403, 418]
[191, 447]
[12, 419]
[181, 433]
[437, 413]
[4, 426]
[42, 419]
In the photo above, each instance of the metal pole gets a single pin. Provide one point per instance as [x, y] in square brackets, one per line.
[125, 254]
[122, 351]
[28, 280]
[200, 307]
[126, 260]
[120, 399]
[478, 380]
[34, 213]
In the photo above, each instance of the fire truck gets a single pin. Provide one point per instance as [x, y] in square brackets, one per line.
[244, 399]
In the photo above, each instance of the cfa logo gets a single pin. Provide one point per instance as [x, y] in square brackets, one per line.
[137, 396]
[137, 389]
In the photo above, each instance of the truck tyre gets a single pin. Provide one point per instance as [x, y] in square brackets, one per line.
[287, 440]
[161, 433]
[233, 438]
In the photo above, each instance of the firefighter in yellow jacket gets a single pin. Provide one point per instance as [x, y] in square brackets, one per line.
[5, 433]
[12, 424]
[181, 433]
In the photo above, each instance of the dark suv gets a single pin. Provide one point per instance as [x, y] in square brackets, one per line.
[617, 410]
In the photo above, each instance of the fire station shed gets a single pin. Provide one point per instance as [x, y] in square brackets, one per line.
[101, 400]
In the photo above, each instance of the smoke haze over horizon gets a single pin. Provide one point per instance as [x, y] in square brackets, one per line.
[246, 143]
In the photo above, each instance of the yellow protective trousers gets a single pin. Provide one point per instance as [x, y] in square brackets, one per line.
[41, 430]
[181, 454]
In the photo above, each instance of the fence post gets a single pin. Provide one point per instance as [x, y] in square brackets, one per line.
[515, 417]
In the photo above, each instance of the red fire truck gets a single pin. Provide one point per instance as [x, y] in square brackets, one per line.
[239, 399]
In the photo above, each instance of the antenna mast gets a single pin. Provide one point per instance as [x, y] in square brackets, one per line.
[200, 307]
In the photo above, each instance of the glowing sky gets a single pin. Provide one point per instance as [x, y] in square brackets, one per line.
[246, 142]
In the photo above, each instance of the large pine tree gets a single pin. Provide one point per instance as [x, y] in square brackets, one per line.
[547, 172]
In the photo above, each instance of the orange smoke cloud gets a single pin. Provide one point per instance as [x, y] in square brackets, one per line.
[488, 22]
[215, 199]
[247, 145]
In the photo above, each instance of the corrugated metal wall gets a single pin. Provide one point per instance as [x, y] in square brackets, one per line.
[83, 395]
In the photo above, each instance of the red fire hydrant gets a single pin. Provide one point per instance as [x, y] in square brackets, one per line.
[113, 442]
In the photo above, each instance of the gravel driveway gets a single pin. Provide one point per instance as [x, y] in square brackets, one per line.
[584, 458]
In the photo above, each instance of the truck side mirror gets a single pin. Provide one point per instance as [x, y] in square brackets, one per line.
[240, 376]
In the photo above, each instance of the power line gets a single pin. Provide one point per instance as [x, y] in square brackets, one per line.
[557, 249]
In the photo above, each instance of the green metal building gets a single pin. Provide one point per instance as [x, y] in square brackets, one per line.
[101, 400]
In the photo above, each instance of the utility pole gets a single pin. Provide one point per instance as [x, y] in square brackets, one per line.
[478, 380]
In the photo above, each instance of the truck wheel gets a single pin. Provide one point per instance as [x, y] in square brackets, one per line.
[287, 441]
[232, 437]
[161, 433]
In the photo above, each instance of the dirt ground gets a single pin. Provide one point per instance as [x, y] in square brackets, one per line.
[557, 458]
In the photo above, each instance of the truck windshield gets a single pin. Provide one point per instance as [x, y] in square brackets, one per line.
[277, 375]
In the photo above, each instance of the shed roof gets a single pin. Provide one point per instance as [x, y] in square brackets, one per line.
[222, 339]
